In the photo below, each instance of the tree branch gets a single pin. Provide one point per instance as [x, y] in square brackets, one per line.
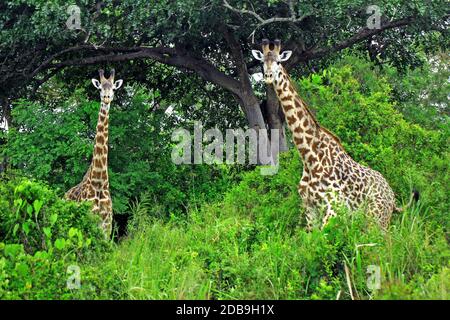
[262, 22]
[238, 57]
[169, 56]
[363, 34]
[243, 11]
[48, 61]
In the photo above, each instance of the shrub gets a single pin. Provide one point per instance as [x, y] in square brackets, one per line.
[32, 214]
[40, 236]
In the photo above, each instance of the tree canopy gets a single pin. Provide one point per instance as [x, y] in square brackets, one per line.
[208, 39]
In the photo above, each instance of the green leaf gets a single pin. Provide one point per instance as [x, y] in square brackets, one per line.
[47, 231]
[316, 79]
[26, 227]
[18, 202]
[60, 243]
[29, 210]
[13, 250]
[22, 269]
[16, 227]
[37, 205]
[53, 218]
[72, 232]
[41, 254]
[17, 213]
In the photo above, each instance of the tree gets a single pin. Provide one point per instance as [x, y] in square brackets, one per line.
[210, 39]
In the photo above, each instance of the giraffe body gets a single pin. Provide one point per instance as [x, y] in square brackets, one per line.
[95, 184]
[330, 176]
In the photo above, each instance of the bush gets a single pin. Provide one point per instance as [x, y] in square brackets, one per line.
[40, 236]
[32, 214]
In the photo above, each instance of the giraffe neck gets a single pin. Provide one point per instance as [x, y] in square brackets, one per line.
[305, 128]
[99, 165]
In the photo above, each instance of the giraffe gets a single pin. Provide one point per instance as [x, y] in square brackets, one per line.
[330, 176]
[95, 184]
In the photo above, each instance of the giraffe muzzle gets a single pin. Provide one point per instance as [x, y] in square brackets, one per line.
[268, 80]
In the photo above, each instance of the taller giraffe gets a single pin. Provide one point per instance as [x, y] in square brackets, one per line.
[330, 175]
[95, 184]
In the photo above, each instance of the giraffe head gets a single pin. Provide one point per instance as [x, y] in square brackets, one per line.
[107, 86]
[272, 58]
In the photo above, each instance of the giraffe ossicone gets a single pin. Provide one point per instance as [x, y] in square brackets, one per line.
[330, 176]
[95, 184]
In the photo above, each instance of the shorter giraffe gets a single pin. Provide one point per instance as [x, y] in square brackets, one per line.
[95, 185]
[330, 175]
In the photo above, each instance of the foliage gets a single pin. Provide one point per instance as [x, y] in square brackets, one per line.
[41, 235]
[214, 232]
[422, 93]
[36, 43]
[35, 216]
[57, 147]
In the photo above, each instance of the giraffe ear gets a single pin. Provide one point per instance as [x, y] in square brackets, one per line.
[96, 83]
[285, 55]
[118, 84]
[258, 55]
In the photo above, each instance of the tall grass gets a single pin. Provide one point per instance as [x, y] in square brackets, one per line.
[253, 245]
[221, 252]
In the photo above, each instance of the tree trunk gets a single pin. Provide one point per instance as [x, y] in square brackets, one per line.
[5, 116]
[275, 117]
[8, 117]
[251, 107]
[252, 110]
[6, 111]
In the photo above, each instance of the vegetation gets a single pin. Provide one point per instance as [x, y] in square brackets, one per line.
[41, 236]
[227, 232]
[205, 40]
[57, 147]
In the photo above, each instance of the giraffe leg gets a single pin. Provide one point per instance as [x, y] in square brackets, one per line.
[381, 214]
[107, 227]
[311, 218]
[329, 213]
[310, 213]
[106, 220]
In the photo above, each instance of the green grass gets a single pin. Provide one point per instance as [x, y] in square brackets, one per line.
[253, 245]
[158, 264]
